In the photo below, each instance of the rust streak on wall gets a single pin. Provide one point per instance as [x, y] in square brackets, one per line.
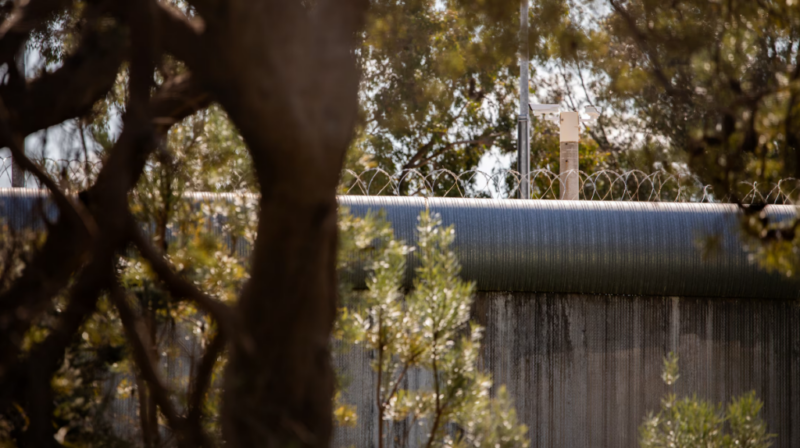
[584, 370]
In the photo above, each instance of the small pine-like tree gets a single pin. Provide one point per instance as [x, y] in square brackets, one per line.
[425, 332]
[694, 423]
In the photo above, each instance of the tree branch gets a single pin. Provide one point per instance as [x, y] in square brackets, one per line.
[482, 139]
[208, 9]
[412, 162]
[33, 374]
[25, 18]
[199, 387]
[181, 35]
[88, 74]
[18, 309]
[400, 378]
[85, 77]
[139, 340]
[42, 363]
[67, 247]
[178, 287]
[176, 99]
[379, 386]
[644, 47]
[435, 426]
[72, 210]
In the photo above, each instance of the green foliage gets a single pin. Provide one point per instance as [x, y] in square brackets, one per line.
[714, 84]
[695, 423]
[440, 84]
[436, 85]
[212, 154]
[81, 394]
[713, 87]
[424, 332]
[773, 245]
[81, 389]
[204, 153]
[747, 429]
[670, 372]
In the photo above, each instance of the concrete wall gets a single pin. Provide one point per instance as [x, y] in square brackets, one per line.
[584, 370]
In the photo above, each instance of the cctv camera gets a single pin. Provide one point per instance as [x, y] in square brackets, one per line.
[592, 111]
[543, 109]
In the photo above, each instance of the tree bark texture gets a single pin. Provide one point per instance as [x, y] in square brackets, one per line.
[288, 79]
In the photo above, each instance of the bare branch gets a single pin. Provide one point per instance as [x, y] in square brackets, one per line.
[48, 272]
[71, 209]
[68, 243]
[18, 309]
[421, 152]
[200, 385]
[71, 91]
[178, 287]
[181, 35]
[143, 56]
[43, 361]
[90, 72]
[25, 18]
[208, 9]
[643, 43]
[418, 159]
[176, 99]
[143, 141]
[139, 340]
[66, 247]
[32, 375]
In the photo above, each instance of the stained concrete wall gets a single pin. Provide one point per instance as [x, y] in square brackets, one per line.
[584, 370]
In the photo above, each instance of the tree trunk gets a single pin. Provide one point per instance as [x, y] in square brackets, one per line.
[286, 74]
[280, 393]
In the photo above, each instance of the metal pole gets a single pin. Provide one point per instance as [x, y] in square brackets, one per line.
[569, 176]
[523, 125]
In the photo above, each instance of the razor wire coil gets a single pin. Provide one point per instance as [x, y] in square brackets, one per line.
[601, 185]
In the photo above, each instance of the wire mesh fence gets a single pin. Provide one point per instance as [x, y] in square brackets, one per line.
[601, 185]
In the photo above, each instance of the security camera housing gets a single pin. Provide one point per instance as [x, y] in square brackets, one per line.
[544, 109]
[592, 112]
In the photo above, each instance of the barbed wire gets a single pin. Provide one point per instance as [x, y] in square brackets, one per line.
[601, 185]
[71, 173]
